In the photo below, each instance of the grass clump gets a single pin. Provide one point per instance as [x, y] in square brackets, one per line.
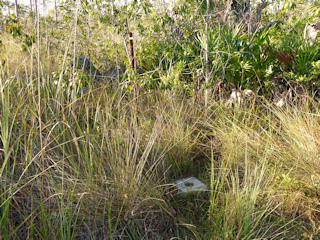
[263, 184]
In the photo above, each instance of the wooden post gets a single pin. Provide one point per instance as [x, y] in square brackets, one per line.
[132, 64]
[132, 50]
[135, 89]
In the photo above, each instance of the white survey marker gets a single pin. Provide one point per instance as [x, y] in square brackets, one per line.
[190, 184]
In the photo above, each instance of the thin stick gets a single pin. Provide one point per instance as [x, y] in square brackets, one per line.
[73, 93]
[39, 93]
[207, 55]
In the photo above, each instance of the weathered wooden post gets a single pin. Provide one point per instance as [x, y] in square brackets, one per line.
[133, 67]
[132, 50]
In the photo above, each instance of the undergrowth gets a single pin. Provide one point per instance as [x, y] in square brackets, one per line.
[101, 164]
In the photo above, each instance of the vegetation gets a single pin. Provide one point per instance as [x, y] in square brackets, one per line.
[86, 157]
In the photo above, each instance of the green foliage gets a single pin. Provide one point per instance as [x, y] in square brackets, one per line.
[294, 53]
[242, 59]
[149, 82]
[306, 55]
[314, 8]
[315, 71]
[172, 78]
[28, 41]
[79, 81]
[170, 39]
[12, 26]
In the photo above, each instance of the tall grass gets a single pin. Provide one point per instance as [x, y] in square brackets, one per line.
[97, 167]
[106, 165]
[263, 184]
